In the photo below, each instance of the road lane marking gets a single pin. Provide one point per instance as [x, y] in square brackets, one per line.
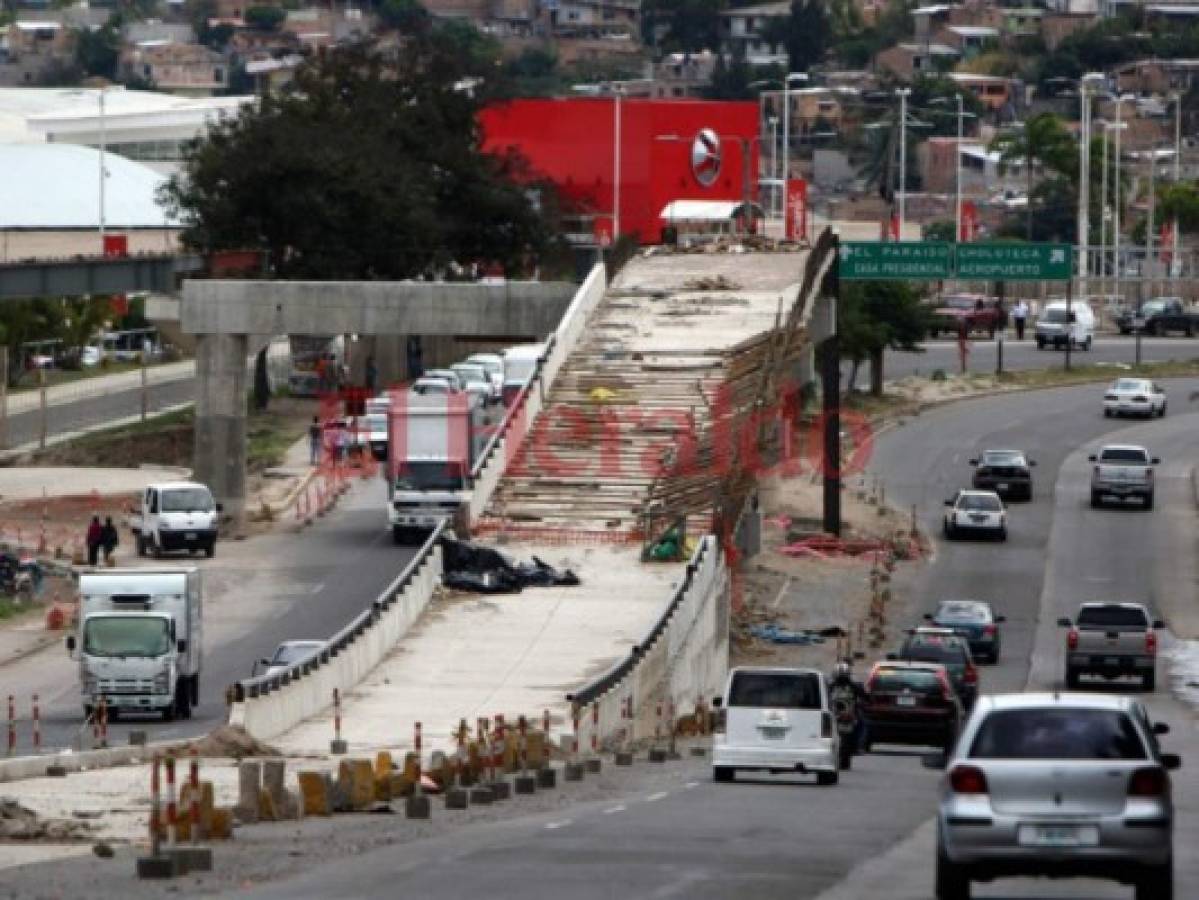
[691, 784]
[552, 826]
[654, 798]
[783, 590]
[615, 809]
[316, 590]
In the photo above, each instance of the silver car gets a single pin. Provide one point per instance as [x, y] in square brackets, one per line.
[1060, 786]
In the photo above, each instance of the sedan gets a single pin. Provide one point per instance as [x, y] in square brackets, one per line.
[941, 645]
[1134, 397]
[910, 703]
[975, 512]
[1006, 472]
[286, 655]
[1060, 786]
[975, 621]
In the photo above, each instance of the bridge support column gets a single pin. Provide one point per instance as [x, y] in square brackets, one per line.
[220, 442]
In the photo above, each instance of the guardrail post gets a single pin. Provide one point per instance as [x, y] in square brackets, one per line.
[594, 765]
[12, 725]
[337, 746]
[417, 805]
[37, 727]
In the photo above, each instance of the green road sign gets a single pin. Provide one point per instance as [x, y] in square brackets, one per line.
[938, 260]
[880, 260]
[1014, 262]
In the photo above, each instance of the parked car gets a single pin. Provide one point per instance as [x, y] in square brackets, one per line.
[475, 381]
[493, 365]
[1122, 471]
[1056, 785]
[1134, 397]
[974, 620]
[1006, 472]
[910, 703]
[950, 649]
[776, 720]
[286, 655]
[977, 512]
[1061, 323]
[449, 376]
[1161, 315]
[434, 387]
[1112, 640]
[977, 312]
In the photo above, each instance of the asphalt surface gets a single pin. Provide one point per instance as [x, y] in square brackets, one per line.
[871, 836]
[276, 587]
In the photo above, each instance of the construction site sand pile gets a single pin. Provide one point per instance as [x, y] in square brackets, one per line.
[231, 741]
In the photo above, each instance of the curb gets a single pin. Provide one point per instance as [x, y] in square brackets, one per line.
[23, 767]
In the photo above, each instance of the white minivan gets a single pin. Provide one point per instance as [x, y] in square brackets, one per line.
[1054, 330]
[776, 720]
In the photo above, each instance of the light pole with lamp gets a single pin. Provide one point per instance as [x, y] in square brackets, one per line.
[1084, 179]
[1103, 210]
[773, 122]
[616, 153]
[1175, 250]
[957, 171]
[903, 154]
[791, 76]
[1116, 207]
[103, 168]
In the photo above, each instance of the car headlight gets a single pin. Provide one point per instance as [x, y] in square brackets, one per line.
[162, 681]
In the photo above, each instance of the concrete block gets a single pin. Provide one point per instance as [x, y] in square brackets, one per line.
[266, 807]
[657, 755]
[594, 766]
[56, 771]
[573, 772]
[500, 789]
[383, 788]
[358, 777]
[383, 764]
[249, 783]
[337, 747]
[417, 807]
[157, 867]
[547, 778]
[537, 751]
[456, 798]
[401, 785]
[273, 773]
[316, 791]
[624, 759]
[222, 824]
[193, 859]
[525, 784]
[481, 796]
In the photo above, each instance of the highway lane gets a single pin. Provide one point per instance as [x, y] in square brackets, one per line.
[276, 587]
[869, 837]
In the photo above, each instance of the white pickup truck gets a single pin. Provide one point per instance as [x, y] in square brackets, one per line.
[1122, 470]
[177, 515]
[1110, 640]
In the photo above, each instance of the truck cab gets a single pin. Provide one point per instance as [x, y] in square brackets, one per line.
[176, 516]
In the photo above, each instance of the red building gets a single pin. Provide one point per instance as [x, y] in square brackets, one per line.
[668, 150]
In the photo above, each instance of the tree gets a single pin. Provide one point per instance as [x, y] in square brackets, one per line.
[370, 169]
[874, 316]
[97, 52]
[265, 18]
[809, 34]
[690, 25]
[407, 16]
[1042, 142]
[731, 80]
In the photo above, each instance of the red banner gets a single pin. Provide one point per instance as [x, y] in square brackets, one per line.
[797, 210]
[602, 229]
[969, 222]
[1166, 242]
[116, 245]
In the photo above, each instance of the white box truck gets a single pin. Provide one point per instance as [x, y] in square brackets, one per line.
[140, 640]
[432, 444]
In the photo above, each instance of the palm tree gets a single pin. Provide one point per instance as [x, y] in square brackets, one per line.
[1042, 142]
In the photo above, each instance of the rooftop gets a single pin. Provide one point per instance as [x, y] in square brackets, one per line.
[762, 9]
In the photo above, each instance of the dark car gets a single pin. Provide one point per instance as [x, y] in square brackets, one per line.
[944, 646]
[975, 621]
[975, 312]
[1006, 472]
[1159, 316]
[910, 703]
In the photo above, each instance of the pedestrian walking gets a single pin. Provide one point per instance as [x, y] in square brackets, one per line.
[343, 443]
[314, 441]
[1019, 315]
[95, 534]
[109, 539]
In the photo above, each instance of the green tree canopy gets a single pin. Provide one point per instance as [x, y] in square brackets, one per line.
[874, 316]
[371, 168]
[1041, 143]
[265, 18]
[809, 34]
[408, 16]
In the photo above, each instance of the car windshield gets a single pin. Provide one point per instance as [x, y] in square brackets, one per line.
[1152, 307]
[288, 654]
[376, 422]
[430, 476]
[1130, 384]
[1124, 454]
[1057, 734]
[1003, 458]
[1054, 314]
[894, 679]
[775, 690]
[126, 636]
[981, 502]
[187, 500]
[962, 613]
[948, 652]
[1111, 617]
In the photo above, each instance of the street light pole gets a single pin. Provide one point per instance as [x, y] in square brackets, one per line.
[957, 215]
[616, 151]
[1175, 250]
[103, 173]
[1103, 213]
[774, 158]
[1084, 185]
[1116, 202]
[903, 155]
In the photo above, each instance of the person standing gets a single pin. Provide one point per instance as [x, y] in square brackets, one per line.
[1019, 316]
[95, 534]
[314, 441]
[109, 539]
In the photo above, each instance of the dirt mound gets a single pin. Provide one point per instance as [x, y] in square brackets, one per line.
[17, 823]
[231, 741]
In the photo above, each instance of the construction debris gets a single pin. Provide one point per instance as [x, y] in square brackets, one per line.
[17, 823]
[711, 283]
[231, 741]
[777, 635]
[483, 570]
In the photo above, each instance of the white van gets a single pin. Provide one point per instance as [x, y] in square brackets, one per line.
[776, 720]
[520, 362]
[1053, 329]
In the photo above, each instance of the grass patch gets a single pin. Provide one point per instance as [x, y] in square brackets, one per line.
[54, 377]
[10, 609]
[269, 435]
[1090, 372]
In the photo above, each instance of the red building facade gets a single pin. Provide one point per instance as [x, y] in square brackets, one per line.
[668, 150]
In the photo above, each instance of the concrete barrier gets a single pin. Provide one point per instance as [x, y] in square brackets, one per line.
[268, 707]
[683, 658]
[21, 767]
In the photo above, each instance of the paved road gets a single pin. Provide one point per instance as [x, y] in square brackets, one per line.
[871, 836]
[275, 587]
[943, 354]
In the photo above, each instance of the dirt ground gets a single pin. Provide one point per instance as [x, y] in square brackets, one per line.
[825, 591]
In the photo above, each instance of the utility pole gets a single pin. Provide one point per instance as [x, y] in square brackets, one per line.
[903, 156]
[103, 173]
[1103, 214]
[830, 371]
[1175, 250]
[1084, 184]
[616, 167]
[957, 215]
[1116, 207]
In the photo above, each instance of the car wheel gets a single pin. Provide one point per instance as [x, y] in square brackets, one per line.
[953, 881]
[1107, 414]
[1096, 500]
[846, 758]
[1162, 412]
[1149, 681]
[1147, 500]
[140, 545]
[1002, 535]
[1156, 882]
[723, 774]
[1040, 344]
[1072, 680]
[210, 550]
[827, 779]
[1086, 345]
